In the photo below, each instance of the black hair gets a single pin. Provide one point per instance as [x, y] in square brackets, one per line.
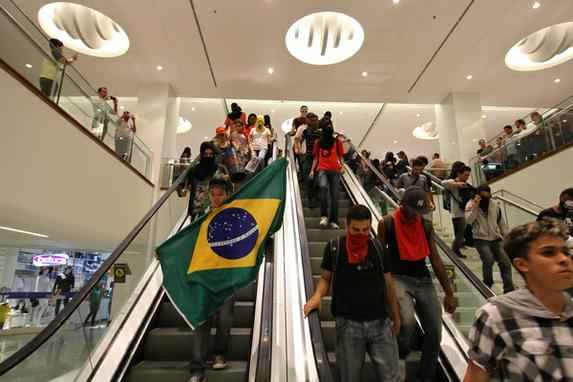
[566, 193]
[508, 127]
[222, 184]
[418, 162]
[518, 242]
[267, 120]
[424, 159]
[436, 156]
[358, 212]
[376, 163]
[55, 43]
[251, 115]
[456, 168]
[520, 122]
[101, 87]
[328, 114]
[235, 107]
[206, 146]
[186, 152]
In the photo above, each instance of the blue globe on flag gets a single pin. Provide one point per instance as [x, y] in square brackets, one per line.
[233, 233]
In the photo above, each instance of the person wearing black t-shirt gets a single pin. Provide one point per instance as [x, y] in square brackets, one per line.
[361, 283]
[308, 135]
[563, 211]
[408, 240]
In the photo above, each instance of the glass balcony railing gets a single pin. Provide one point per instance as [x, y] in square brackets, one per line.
[552, 132]
[27, 51]
[170, 170]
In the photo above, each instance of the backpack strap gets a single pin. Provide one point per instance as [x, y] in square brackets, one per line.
[388, 230]
[334, 252]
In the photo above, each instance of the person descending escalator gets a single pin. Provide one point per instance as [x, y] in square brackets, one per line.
[307, 135]
[409, 240]
[361, 281]
[197, 182]
[219, 191]
[328, 153]
[562, 211]
[489, 227]
[527, 335]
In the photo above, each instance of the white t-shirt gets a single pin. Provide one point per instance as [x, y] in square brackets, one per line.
[260, 140]
[124, 128]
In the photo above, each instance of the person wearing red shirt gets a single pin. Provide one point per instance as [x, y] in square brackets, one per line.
[236, 113]
[328, 153]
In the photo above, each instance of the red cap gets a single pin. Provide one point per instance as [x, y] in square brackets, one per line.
[220, 130]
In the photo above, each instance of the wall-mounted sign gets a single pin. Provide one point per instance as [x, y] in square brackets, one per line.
[50, 260]
[120, 270]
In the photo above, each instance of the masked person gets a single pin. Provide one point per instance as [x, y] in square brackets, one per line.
[197, 181]
[307, 135]
[361, 282]
[219, 191]
[527, 335]
[328, 154]
[489, 228]
[409, 241]
[563, 211]
[236, 113]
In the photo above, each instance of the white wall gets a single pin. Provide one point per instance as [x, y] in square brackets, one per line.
[55, 180]
[541, 182]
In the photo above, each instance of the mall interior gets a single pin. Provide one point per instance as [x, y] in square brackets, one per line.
[101, 98]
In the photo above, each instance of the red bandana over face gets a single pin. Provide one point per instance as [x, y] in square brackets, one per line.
[356, 247]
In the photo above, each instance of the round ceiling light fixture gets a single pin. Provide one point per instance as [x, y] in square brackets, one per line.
[83, 29]
[324, 38]
[543, 49]
[184, 126]
[426, 131]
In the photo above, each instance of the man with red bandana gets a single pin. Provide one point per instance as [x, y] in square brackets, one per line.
[409, 240]
[361, 283]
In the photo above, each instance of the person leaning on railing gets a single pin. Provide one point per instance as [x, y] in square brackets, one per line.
[49, 71]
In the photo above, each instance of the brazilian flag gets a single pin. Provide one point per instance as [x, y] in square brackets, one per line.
[219, 253]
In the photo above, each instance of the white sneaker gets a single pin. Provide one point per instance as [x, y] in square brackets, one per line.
[219, 363]
[334, 226]
[323, 222]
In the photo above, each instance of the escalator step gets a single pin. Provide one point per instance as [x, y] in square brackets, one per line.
[314, 223]
[315, 212]
[316, 249]
[243, 315]
[368, 373]
[341, 203]
[323, 235]
[174, 344]
[315, 263]
[178, 371]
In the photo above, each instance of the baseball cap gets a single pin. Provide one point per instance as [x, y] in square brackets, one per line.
[415, 199]
[220, 130]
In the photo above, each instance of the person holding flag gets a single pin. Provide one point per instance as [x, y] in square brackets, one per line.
[219, 253]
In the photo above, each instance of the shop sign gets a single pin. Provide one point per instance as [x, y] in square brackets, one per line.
[119, 272]
[50, 260]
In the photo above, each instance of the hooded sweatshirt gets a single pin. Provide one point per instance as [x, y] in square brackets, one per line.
[490, 226]
[516, 338]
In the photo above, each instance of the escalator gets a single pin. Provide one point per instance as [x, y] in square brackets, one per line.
[146, 339]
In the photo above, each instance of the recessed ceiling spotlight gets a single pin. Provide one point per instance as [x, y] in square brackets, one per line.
[206, 137]
[271, 70]
[29, 66]
[364, 74]
[484, 116]
[396, 1]
[418, 115]
[193, 108]
[122, 107]
[341, 113]
[536, 5]
[159, 67]
[469, 77]
[273, 110]
[395, 142]
[564, 121]
[324, 38]
[557, 80]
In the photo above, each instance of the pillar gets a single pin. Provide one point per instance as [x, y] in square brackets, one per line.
[460, 126]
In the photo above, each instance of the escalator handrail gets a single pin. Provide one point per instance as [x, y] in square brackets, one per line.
[320, 353]
[69, 309]
[471, 276]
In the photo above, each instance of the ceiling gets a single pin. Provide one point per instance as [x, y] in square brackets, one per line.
[241, 39]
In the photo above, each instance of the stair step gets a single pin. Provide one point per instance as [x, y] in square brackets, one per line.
[243, 315]
[174, 344]
[323, 235]
[342, 203]
[314, 223]
[178, 371]
[315, 212]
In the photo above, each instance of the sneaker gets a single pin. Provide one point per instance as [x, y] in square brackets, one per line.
[460, 254]
[197, 378]
[219, 363]
[323, 222]
[334, 225]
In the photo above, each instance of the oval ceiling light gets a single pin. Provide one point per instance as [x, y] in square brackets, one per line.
[83, 29]
[543, 49]
[184, 126]
[427, 132]
[324, 38]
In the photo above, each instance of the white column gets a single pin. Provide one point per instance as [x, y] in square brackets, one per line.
[8, 261]
[460, 126]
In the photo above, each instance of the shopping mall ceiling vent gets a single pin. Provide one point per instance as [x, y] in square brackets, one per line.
[83, 29]
[543, 49]
[324, 38]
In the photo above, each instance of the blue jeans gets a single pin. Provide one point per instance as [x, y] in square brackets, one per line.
[356, 338]
[490, 252]
[328, 181]
[417, 295]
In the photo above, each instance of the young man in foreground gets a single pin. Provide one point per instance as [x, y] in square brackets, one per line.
[527, 334]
